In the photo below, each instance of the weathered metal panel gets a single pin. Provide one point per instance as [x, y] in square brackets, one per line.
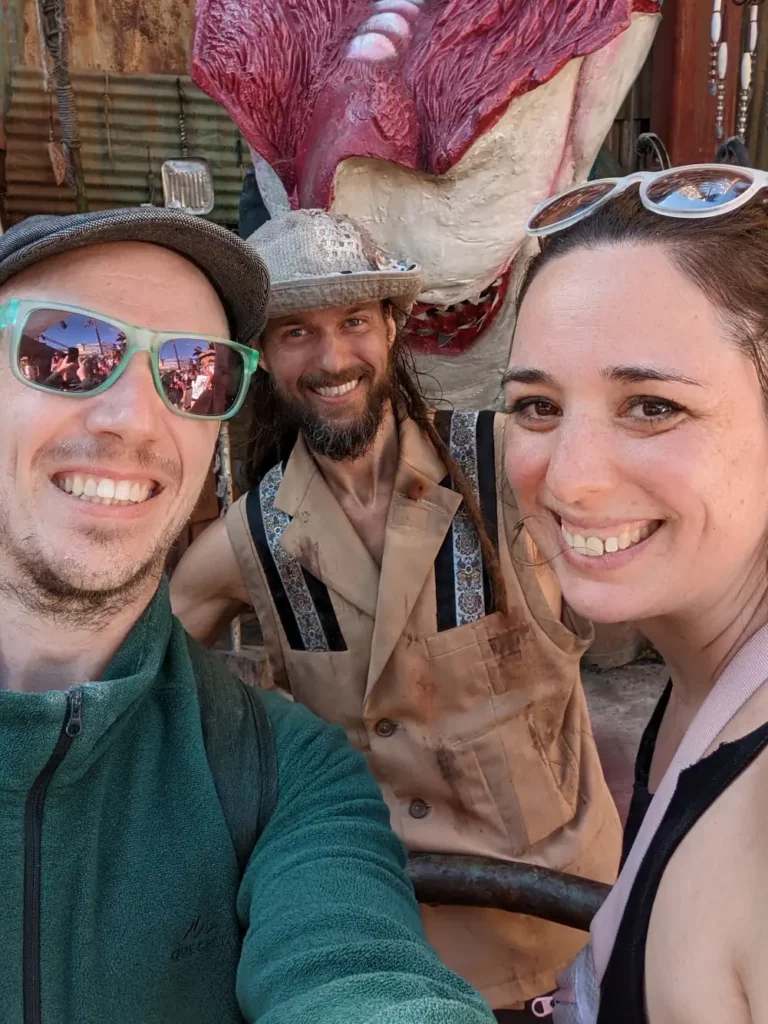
[127, 124]
[11, 34]
[145, 36]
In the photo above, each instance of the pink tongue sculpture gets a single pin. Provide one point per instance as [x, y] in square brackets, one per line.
[438, 123]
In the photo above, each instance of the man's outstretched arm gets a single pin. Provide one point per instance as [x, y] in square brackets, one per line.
[207, 588]
[334, 932]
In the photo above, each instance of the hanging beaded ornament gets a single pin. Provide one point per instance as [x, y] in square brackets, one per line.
[716, 32]
[718, 63]
[746, 71]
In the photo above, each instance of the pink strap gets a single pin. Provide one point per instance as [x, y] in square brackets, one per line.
[741, 678]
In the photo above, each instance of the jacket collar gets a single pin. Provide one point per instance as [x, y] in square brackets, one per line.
[108, 704]
[324, 541]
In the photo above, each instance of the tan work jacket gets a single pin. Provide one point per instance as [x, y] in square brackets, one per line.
[475, 723]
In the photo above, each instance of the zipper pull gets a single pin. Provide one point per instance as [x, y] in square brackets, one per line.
[544, 1006]
[74, 723]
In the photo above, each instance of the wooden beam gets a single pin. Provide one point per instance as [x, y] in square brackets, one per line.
[682, 110]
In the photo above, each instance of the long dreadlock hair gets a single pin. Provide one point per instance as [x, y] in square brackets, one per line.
[270, 442]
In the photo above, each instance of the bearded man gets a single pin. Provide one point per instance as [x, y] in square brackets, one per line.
[380, 548]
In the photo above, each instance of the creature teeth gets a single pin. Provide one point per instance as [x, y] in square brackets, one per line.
[372, 46]
[389, 24]
[388, 29]
[407, 8]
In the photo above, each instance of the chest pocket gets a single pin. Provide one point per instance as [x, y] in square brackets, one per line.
[462, 581]
[302, 601]
[505, 739]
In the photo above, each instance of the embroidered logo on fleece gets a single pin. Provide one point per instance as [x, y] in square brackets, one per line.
[201, 937]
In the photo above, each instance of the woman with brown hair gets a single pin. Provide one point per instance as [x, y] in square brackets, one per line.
[638, 450]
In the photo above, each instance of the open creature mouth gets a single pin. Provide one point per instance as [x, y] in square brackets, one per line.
[451, 330]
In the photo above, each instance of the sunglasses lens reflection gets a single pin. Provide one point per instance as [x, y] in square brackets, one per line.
[577, 201]
[64, 351]
[694, 191]
[201, 379]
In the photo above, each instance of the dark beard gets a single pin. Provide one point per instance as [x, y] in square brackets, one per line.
[337, 441]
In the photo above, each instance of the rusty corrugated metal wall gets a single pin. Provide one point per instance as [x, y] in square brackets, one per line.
[129, 124]
[144, 45]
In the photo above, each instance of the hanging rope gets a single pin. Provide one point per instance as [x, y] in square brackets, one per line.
[107, 116]
[53, 20]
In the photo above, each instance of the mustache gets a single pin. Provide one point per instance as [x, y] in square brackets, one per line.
[334, 380]
[145, 457]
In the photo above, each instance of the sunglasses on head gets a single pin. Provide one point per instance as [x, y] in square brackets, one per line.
[66, 350]
[692, 192]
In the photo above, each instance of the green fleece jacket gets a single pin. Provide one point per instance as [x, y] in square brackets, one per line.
[121, 897]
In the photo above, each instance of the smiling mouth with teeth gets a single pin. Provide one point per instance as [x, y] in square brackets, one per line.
[103, 490]
[627, 536]
[337, 392]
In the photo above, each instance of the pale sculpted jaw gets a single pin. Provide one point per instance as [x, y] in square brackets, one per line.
[466, 227]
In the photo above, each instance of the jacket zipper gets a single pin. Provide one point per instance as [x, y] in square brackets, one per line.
[33, 833]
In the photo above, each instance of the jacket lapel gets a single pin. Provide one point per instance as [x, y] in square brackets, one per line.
[321, 537]
[419, 517]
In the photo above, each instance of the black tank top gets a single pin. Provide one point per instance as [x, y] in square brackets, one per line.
[622, 994]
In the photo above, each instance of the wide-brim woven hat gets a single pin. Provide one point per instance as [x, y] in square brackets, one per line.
[317, 260]
[232, 266]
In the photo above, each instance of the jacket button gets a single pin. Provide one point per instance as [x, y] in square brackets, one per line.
[418, 809]
[386, 727]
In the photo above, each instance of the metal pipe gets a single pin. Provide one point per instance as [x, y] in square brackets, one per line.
[226, 493]
[451, 880]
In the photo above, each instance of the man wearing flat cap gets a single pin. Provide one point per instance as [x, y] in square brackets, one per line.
[174, 847]
[379, 546]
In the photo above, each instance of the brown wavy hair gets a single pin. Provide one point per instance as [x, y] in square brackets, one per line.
[725, 256]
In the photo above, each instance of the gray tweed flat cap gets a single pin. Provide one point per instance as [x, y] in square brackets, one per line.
[317, 260]
[231, 265]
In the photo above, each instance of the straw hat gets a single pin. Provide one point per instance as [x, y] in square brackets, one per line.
[317, 260]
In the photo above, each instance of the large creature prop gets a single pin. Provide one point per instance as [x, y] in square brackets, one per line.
[438, 124]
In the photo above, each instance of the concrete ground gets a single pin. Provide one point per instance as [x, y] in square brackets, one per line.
[621, 700]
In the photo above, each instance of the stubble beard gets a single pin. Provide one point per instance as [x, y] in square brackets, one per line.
[68, 591]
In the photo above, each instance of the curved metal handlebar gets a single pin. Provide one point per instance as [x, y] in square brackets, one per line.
[452, 880]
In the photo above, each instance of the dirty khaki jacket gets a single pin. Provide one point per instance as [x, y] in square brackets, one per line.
[474, 722]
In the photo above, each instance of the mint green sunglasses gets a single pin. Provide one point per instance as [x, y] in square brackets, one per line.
[67, 350]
